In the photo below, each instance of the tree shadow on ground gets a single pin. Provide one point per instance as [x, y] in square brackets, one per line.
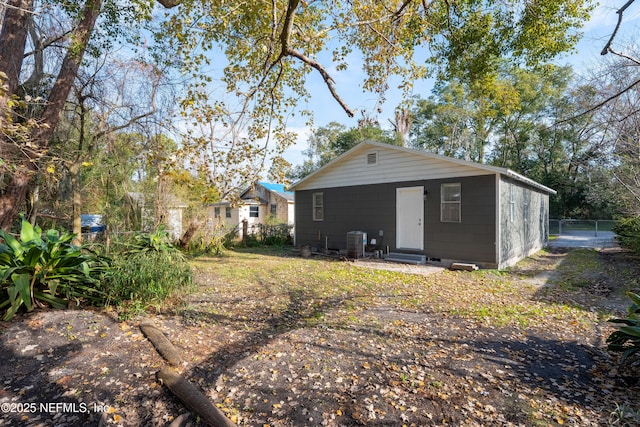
[77, 361]
[506, 367]
[566, 371]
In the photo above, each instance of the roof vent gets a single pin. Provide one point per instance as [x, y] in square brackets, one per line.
[372, 158]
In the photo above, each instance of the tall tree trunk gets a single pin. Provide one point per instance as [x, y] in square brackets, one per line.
[13, 39]
[67, 75]
[13, 198]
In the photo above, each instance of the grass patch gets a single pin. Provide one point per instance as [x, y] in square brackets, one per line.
[578, 269]
[143, 281]
[275, 283]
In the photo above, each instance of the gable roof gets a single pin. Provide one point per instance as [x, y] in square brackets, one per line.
[400, 164]
[279, 189]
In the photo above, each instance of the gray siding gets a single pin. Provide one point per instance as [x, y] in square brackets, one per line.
[526, 230]
[372, 208]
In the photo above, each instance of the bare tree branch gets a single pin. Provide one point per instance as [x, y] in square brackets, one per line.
[325, 75]
[620, 12]
[287, 50]
[600, 104]
[21, 9]
[625, 56]
[398, 12]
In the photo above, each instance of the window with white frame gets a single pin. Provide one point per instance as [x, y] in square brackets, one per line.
[450, 202]
[227, 211]
[216, 212]
[254, 211]
[318, 206]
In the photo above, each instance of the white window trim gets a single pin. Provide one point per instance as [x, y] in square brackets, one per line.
[315, 206]
[444, 202]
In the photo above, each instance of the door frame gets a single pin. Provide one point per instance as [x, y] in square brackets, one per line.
[403, 229]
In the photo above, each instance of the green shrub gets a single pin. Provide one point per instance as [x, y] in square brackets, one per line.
[39, 269]
[273, 234]
[276, 234]
[628, 232]
[158, 240]
[626, 339]
[213, 241]
[142, 280]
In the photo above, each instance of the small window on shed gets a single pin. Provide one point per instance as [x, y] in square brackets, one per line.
[450, 202]
[228, 212]
[372, 158]
[254, 211]
[318, 206]
[216, 212]
[512, 203]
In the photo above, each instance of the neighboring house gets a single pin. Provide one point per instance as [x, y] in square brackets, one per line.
[414, 202]
[257, 204]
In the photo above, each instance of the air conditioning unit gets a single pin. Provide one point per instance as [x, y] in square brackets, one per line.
[356, 242]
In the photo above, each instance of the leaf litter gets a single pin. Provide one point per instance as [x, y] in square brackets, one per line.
[276, 340]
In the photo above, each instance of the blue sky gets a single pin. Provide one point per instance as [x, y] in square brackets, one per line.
[596, 33]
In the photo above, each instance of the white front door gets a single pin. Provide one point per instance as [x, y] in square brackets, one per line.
[410, 218]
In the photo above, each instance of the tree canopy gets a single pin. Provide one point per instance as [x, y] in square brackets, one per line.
[265, 51]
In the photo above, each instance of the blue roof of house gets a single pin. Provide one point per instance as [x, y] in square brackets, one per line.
[278, 188]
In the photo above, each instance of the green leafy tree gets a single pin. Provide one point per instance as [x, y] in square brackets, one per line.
[85, 27]
[456, 121]
[527, 121]
[267, 52]
[329, 141]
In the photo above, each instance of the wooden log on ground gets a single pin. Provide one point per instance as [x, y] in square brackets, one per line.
[193, 398]
[184, 420]
[161, 343]
[463, 266]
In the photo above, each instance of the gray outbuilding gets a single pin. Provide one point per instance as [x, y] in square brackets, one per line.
[404, 201]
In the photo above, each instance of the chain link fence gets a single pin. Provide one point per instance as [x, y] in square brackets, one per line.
[580, 226]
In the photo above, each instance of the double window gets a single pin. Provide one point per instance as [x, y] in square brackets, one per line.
[450, 202]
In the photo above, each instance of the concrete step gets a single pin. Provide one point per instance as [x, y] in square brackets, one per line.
[406, 258]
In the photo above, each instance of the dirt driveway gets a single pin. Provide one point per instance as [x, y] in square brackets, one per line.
[585, 239]
[276, 340]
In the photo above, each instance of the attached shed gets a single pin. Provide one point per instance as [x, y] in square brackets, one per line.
[408, 201]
